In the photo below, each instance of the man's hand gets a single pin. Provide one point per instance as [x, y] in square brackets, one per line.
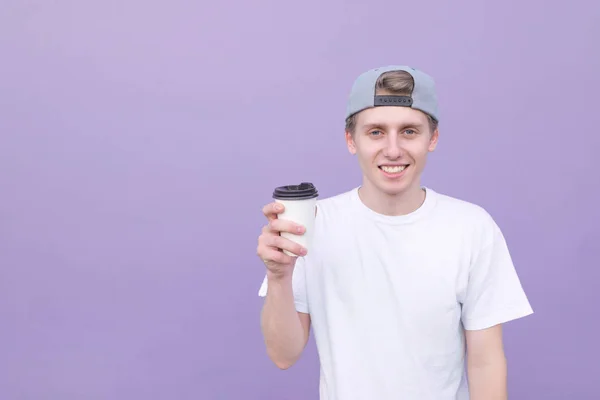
[271, 243]
[486, 364]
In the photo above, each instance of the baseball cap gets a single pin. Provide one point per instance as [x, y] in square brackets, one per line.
[423, 97]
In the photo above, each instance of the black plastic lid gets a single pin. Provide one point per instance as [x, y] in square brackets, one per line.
[303, 191]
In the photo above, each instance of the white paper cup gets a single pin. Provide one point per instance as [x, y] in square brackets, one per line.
[300, 202]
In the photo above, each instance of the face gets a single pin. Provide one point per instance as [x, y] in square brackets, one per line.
[391, 144]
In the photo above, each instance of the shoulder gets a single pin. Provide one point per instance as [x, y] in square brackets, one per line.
[339, 203]
[460, 208]
[467, 215]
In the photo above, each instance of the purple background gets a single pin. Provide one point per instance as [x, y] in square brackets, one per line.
[139, 141]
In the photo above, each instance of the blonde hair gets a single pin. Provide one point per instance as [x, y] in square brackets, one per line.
[398, 83]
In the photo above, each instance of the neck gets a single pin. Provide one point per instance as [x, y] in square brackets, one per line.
[401, 203]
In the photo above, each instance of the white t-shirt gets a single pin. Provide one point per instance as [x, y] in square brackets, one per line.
[388, 296]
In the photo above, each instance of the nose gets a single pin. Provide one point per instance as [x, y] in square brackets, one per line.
[393, 149]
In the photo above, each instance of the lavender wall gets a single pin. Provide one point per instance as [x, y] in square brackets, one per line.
[139, 140]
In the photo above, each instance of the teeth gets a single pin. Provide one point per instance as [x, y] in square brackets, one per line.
[393, 170]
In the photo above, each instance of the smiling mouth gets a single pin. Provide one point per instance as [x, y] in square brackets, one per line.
[396, 169]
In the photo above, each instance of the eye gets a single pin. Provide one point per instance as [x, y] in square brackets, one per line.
[410, 132]
[375, 133]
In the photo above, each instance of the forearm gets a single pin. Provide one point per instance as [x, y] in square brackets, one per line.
[488, 379]
[282, 329]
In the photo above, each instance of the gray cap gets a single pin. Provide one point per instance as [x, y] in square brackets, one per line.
[423, 97]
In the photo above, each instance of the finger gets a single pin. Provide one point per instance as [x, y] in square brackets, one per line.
[281, 243]
[270, 242]
[282, 225]
[272, 209]
[270, 254]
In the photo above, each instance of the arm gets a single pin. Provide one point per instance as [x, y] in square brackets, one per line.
[492, 296]
[284, 329]
[486, 364]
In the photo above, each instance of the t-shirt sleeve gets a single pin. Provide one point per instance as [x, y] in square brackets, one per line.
[494, 293]
[298, 286]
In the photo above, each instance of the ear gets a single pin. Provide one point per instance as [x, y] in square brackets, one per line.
[433, 140]
[350, 143]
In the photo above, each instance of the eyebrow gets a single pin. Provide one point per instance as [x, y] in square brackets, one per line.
[384, 126]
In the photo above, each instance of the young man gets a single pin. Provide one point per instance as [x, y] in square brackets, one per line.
[402, 284]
